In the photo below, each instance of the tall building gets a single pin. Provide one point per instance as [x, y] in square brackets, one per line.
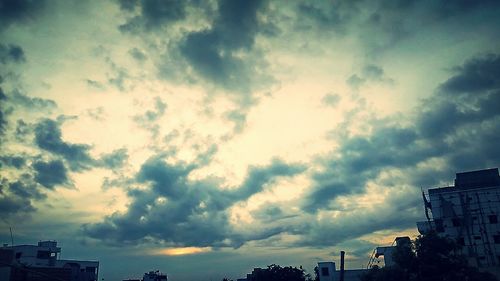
[468, 213]
[41, 263]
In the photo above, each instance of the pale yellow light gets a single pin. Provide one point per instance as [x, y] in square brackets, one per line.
[181, 251]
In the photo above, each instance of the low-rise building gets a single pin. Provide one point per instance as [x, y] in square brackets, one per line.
[328, 272]
[41, 262]
[387, 252]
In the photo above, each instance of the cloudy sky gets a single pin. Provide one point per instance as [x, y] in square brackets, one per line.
[205, 138]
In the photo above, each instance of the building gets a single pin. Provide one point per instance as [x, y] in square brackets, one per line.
[41, 262]
[328, 272]
[468, 213]
[387, 252]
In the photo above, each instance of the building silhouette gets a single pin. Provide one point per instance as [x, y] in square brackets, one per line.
[41, 263]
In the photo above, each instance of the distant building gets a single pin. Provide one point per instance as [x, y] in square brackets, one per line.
[468, 212]
[41, 263]
[151, 276]
[387, 252]
[327, 272]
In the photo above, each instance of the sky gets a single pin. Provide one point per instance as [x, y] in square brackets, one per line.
[206, 138]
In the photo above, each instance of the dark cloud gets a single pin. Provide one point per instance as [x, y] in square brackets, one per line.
[401, 211]
[176, 210]
[456, 8]
[48, 137]
[259, 176]
[3, 123]
[119, 78]
[97, 113]
[475, 75]
[14, 205]
[152, 13]
[466, 99]
[17, 196]
[10, 102]
[11, 53]
[138, 54]
[2, 94]
[446, 128]
[272, 213]
[12, 161]
[212, 52]
[26, 189]
[94, 84]
[50, 174]
[19, 11]
[157, 12]
[34, 103]
[239, 118]
[160, 107]
[128, 5]
[373, 72]
[381, 24]
[370, 73]
[22, 130]
[3, 119]
[165, 179]
[394, 21]
[365, 157]
[149, 118]
[327, 15]
[14, 100]
[355, 81]
[115, 159]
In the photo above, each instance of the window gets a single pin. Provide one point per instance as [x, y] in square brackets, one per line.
[43, 255]
[456, 222]
[477, 237]
[324, 271]
[90, 269]
[493, 219]
[496, 238]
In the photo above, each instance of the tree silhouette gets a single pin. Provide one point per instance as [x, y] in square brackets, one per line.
[277, 273]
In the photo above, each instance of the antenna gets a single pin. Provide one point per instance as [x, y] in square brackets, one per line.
[11, 237]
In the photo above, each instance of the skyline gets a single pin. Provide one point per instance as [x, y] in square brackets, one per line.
[227, 135]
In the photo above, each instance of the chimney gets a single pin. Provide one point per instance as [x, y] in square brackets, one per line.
[342, 254]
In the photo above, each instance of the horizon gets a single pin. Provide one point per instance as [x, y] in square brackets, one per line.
[206, 138]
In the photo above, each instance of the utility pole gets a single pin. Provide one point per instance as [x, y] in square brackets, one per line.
[11, 237]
